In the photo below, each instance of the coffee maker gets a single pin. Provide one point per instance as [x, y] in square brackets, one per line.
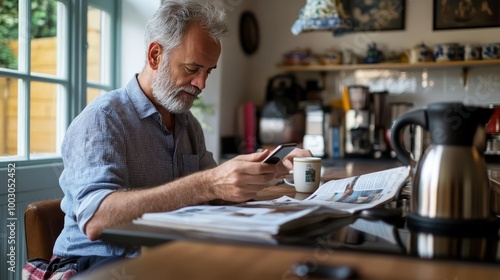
[359, 127]
[316, 119]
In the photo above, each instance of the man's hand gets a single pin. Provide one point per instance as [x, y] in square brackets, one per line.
[284, 167]
[240, 178]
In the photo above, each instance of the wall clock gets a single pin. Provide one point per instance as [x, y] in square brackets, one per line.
[249, 32]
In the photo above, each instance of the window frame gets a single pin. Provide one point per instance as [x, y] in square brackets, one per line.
[73, 77]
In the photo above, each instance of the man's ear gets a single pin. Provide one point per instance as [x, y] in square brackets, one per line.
[155, 52]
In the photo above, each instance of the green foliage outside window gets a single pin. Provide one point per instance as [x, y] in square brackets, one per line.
[43, 24]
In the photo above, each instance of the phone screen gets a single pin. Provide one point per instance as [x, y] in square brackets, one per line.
[279, 153]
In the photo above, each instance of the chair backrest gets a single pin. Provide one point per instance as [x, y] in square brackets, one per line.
[43, 221]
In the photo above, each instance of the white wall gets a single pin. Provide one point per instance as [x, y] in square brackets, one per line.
[135, 15]
[235, 69]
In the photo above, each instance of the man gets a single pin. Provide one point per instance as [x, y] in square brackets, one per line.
[138, 149]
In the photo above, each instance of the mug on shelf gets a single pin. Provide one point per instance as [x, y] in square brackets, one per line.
[419, 53]
[446, 52]
[490, 50]
[472, 52]
[306, 174]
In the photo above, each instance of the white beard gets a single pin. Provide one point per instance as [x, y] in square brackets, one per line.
[167, 94]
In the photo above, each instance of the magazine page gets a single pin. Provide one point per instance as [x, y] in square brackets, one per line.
[200, 231]
[224, 218]
[354, 193]
[361, 192]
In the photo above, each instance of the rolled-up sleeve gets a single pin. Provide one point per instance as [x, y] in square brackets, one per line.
[94, 155]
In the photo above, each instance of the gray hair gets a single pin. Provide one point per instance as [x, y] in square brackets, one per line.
[169, 23]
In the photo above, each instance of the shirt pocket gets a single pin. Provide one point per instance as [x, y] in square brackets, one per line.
[190, 164]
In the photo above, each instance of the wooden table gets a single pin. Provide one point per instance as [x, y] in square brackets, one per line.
[190, 260]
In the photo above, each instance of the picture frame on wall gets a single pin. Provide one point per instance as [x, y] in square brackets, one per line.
[375, 15]
[461, 14]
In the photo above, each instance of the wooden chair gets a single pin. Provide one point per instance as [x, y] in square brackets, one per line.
[43, 222]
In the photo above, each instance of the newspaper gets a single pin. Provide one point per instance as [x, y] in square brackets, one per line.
[354, 193]
[266, 219]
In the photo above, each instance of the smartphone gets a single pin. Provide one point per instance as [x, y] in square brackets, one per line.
[279, 153]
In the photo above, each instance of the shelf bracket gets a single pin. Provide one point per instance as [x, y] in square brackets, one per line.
[465, 73]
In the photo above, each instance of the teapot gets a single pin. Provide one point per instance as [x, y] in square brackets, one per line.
[450, 184]
[373, 55]
[419, 53]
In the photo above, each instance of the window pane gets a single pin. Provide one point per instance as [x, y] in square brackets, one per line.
[43, 118]
[94, 43]
[98, 51]
[8, 116]
[9, 29]
[92, 93]
[44, 43]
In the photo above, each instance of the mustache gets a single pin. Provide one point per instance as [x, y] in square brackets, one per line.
[190, 89]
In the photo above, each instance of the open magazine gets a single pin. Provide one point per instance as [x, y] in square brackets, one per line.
[267, 219]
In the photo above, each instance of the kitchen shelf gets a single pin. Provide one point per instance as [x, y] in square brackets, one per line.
[395, 65]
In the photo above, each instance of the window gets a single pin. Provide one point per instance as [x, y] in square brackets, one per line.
[55, 58]
[99, 55]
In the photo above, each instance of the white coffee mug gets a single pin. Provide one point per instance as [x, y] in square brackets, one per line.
[306, 174]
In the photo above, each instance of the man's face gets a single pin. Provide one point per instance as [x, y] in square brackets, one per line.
[180, 80]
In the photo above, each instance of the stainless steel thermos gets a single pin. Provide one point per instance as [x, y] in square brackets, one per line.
[450, 184]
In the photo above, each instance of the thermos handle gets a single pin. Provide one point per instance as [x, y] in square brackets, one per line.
[415, 116]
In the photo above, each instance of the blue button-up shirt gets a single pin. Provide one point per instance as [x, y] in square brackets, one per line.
[119, 142]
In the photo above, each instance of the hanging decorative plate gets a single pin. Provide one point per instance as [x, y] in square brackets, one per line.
[249, 32]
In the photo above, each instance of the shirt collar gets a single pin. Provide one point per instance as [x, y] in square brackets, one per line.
[143, 106]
